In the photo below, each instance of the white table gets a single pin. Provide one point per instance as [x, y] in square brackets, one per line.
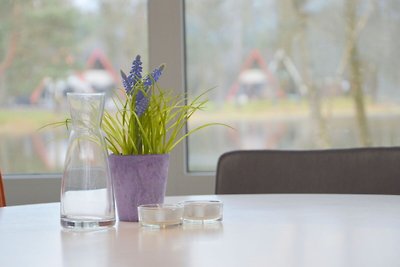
[257, 230]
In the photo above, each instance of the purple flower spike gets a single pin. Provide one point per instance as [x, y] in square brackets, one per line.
[126, 82]
[138, 86]
[142, 102]
[136, 70]
[156, 74]
[134, 76]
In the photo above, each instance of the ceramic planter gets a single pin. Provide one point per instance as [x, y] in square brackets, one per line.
[138, 180]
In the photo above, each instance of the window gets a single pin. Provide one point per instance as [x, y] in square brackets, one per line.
[49, 48]
[290, 74]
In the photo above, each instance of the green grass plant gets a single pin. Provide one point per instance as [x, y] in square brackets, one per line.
[158, 130]
[148, 119]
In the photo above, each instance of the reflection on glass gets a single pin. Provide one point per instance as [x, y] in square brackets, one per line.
[293, 74]
[49, 48]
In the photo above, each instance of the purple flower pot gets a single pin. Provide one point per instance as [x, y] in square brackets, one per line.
[137, 180]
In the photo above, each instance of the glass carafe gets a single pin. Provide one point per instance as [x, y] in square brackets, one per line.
[87, 198]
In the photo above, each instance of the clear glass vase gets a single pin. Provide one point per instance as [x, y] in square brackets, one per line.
[87, 198]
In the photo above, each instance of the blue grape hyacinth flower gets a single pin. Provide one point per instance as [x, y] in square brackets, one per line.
[142, 101]
[135, 79]
[126, 82]
[135, 75]
[136, 70]
[153, 78]
[141, 104]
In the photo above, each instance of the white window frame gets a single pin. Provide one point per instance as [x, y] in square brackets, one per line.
[167, 45]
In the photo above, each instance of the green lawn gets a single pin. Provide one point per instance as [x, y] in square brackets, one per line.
[27, 119]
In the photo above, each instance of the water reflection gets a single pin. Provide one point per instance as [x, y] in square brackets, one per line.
[37, 152]
[284, 133]
[44, 151]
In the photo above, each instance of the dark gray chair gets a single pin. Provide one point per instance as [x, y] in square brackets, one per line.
[340, 171]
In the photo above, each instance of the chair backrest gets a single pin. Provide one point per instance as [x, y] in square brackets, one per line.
[2, 194]
[341, 171]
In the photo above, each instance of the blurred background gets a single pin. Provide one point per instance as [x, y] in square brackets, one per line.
[285, 74]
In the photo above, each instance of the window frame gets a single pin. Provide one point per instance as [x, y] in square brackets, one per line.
[167, 45]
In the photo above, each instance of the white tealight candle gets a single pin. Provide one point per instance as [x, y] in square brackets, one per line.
[202, 211]
[160, 215]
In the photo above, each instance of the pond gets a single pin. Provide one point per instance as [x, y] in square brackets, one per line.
[44, 151]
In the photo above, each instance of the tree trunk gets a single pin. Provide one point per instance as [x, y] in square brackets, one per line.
[355, 76]
[314, 97]
[10, 52]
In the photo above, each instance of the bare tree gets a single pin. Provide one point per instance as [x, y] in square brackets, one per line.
[313, 94]
[10, 48]
[352, 60]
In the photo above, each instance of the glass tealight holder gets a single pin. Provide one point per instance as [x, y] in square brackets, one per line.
[160, 215]
[202, 211]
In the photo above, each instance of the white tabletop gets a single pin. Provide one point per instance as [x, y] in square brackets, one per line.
[257, 230]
